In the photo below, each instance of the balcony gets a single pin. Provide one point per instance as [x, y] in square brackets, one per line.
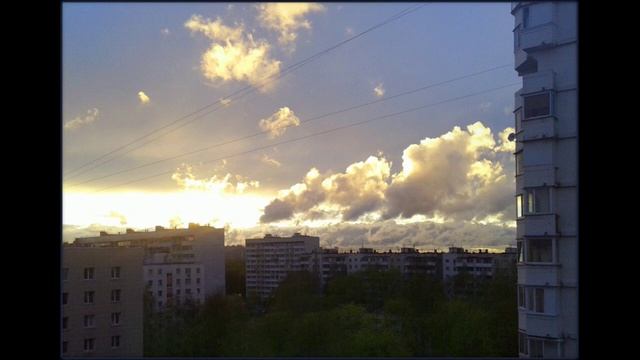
[538, 274]
[540, 175]
[538, 37]
[540, 81]
[539, 325]
[537, 225]
[538, 129]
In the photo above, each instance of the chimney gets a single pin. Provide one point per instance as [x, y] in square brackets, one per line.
[103, 233]
[130, 231]
[158, 228]
[193, 226]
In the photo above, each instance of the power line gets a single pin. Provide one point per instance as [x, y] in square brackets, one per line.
[318, 133]
[302, 123]
[241, 92]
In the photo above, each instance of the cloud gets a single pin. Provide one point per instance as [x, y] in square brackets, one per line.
[78, 121]
[165, 31]
[270, 161]
[485, 106]
[234, 54]
[357, 191]
[348, 31]
[277, 123]
[227, 184]
[461, 175]
[505, 144]
[379, 90]
[286, 19]
[144, 99]
[225, 102]
[120, 217]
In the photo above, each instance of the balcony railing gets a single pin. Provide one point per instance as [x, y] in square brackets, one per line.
[537, 37]
[537, 225]
[540, 175]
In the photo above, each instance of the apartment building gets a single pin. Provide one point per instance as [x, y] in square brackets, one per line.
[102, 307]
[546, 122]
[270, 259]
[179, 264]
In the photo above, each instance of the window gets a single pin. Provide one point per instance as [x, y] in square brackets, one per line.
[177, 271]
[88, 297]
[115, 295]
[115, 318]
[65, 347]
[88, 344]
[187, 291]
[88, 273]
[525, 17]
[65, 274]
[178, 282]
[178, 292]
[187, 281]
[197, 280]
[115, 272]
[519, 206]
[159, 282]
[521, 297]
[516, 37]
[115, 341]
[518, 115]
[159, 271]
[520, 251]
[535, 347]
[89, 321]
[159, 303]
[540, 250]
[538, 201]
[65, 298]
[65, 323]
[150, 283]
[522, 343]
[197, 270]
[159, 292]
[198, 291]
[150, 272]
[535, 299]
[519, 159]
[537, 105]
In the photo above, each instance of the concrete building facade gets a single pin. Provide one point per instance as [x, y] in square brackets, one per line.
[102, 302]
[546, 122]
[270, 259]
[179, 264]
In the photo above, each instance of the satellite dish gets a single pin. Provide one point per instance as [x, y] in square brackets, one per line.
[512, 136]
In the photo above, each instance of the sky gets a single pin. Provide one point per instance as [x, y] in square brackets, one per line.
[438, 174]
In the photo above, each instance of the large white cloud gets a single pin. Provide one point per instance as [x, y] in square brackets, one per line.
[460, 175]
[234, 54]
[278, 123]
[78, 121]
[286, 19]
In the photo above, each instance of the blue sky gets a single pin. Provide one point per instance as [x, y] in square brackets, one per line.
[113, 51]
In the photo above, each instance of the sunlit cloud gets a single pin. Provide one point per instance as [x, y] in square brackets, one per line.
[79, 121]
[144, 99]
[379, 90]
[228, 184]
[234, 54]
[118, 216]
[287, 19]
[277, 123]
[165, 31]
[459, 175]
[270, 161]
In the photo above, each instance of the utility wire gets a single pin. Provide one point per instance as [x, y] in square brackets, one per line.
[317, 134]
[241, 92]
[292, 125]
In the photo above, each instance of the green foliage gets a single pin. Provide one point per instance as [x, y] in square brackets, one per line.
[367, 314]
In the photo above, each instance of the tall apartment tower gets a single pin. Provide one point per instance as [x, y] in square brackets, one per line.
[546, 117]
